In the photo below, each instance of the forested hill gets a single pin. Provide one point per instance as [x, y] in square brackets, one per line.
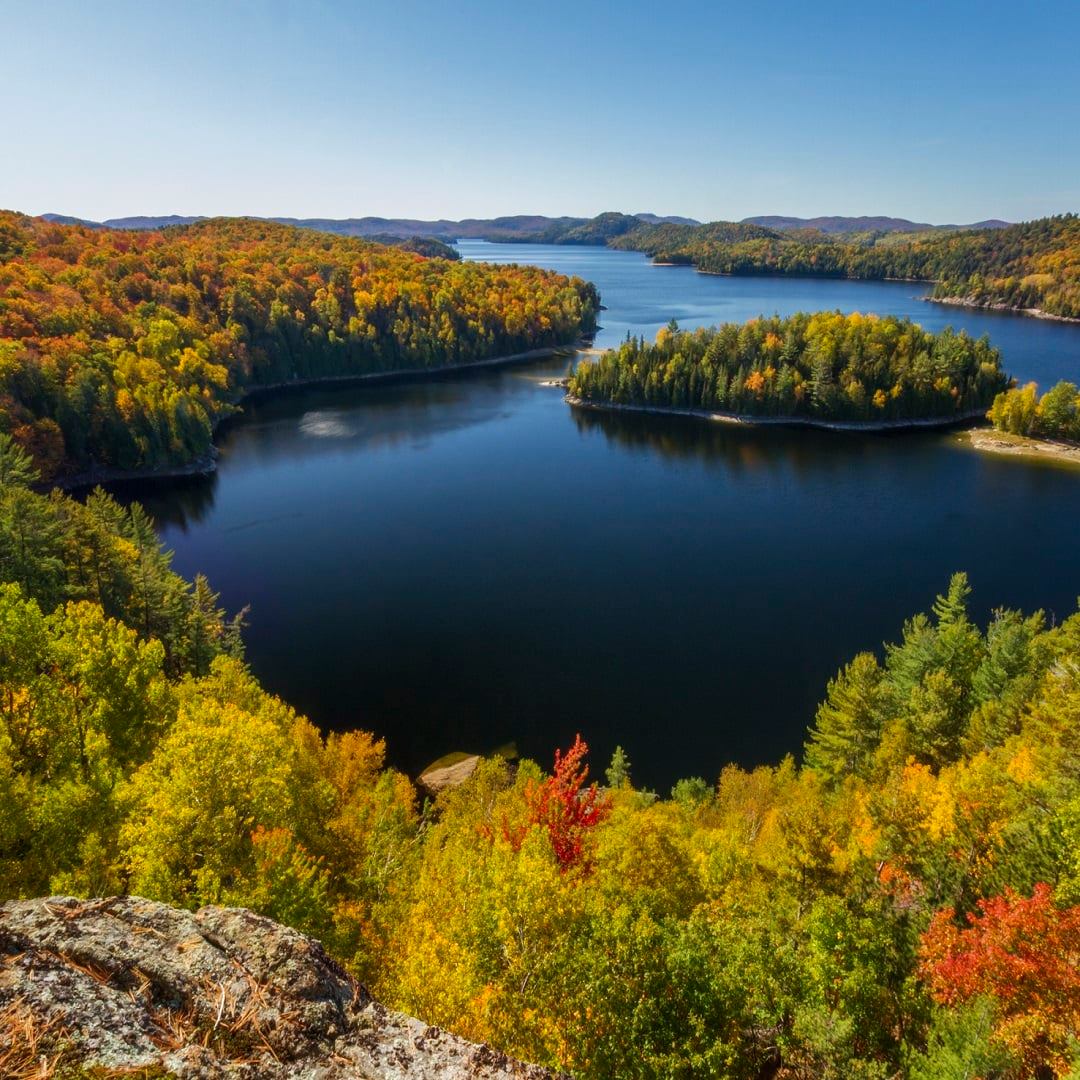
[904, 905]
[840, 224]
[824, 367]
[1035, 264]
[122, 349]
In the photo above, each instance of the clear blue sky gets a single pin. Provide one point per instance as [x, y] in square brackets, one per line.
[942, 112]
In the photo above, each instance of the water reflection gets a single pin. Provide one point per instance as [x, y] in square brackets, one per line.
[744, 449]
[374, 418]
[182, 503]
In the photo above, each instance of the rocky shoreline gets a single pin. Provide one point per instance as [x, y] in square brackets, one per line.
[749, 420]
[1008, 309]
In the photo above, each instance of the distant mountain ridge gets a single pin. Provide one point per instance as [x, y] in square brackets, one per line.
[535, 228]
[540, 229]
[840, 224]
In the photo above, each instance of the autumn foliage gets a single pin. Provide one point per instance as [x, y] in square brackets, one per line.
[122, 349]
[1025, 954]
[825, 365]
[1034, 264]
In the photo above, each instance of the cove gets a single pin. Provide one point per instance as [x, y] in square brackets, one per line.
[465, 562]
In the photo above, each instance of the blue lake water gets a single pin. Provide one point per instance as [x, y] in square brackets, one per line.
[465, 562]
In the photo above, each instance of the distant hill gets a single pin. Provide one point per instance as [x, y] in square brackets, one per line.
[423, 243]
[518, 228]
[671, 219]
[151, 222]
[864, 224]
[67, 219]
[428, 246]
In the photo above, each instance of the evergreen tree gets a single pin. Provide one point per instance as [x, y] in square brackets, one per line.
[849, 722]
[618, 772]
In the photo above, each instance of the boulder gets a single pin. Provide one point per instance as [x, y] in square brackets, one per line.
[438, 777]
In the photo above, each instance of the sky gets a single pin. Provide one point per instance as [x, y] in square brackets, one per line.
[947, 112]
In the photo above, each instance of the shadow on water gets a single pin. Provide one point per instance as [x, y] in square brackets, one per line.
[743, 449]
[180, 503]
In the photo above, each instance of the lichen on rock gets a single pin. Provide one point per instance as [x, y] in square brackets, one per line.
[130, 985]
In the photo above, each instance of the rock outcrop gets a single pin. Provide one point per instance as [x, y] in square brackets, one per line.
[129, 986]
[437, 777]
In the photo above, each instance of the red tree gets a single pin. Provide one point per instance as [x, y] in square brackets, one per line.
[564, 806]
[1025, 953]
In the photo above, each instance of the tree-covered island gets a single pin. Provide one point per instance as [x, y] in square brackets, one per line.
[826, 368]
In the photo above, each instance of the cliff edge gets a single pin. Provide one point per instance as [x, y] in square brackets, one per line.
[125, 986]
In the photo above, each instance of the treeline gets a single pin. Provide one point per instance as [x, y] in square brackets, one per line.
[828, 366]
[907, 903]
[1035, 264]
[122, 349]
[62, 550]
[1055, 415]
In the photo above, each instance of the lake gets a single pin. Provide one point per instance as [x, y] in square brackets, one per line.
[461, 563]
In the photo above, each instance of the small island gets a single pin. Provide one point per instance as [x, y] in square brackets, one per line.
[826, 369]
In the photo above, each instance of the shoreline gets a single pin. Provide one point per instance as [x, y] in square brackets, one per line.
[968, 302]
[201, 466]
[750, 420]
[399, 375]
[991, 441]
[206, 465]
[954, 301]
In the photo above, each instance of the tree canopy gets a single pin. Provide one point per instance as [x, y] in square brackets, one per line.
[826, 365]
[1055, 415]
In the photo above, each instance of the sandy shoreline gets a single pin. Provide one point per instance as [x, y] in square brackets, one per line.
[991, 441]
[207, 464]
[749, 420]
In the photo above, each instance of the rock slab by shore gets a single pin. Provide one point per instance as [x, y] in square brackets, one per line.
[128, 984]
[990, 305]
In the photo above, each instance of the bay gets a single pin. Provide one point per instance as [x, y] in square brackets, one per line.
[460, 563]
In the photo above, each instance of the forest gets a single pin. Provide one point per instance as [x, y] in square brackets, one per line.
[905, 902]
[1054, 415]
[826, 365]
[1033, 265]
[123, 349]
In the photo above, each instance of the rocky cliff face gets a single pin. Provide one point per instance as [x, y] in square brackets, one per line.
[133, 987]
